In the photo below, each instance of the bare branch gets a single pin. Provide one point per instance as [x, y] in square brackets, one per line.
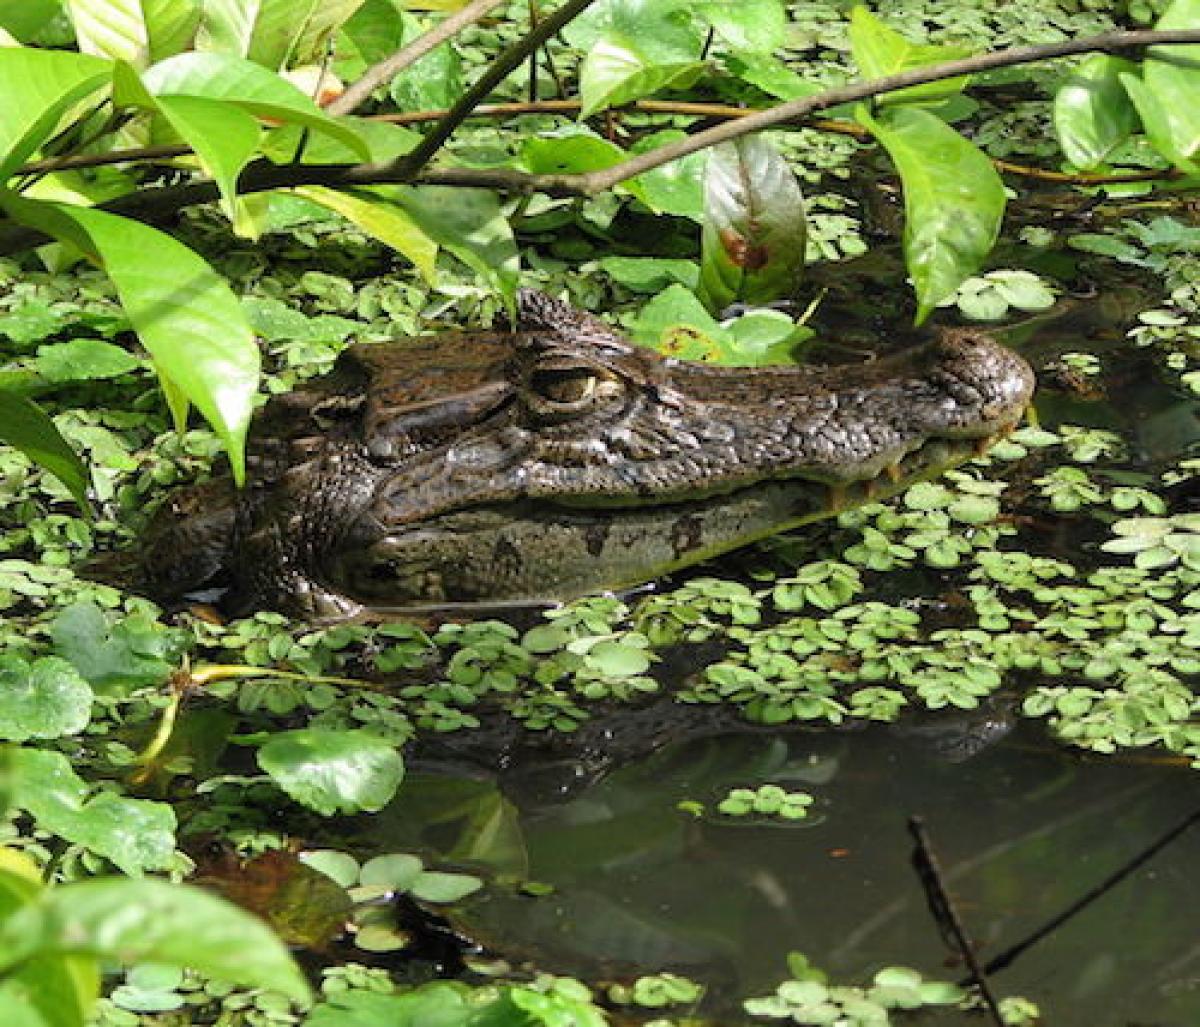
[357, 93]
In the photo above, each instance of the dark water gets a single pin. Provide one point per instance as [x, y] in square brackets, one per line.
[1022, 829]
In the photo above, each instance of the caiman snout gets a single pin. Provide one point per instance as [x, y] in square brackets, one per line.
[986, 386]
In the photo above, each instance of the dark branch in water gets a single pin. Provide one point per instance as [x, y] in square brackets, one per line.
[946, 915]
[1006, 958]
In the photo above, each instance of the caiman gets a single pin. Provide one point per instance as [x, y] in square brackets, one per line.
[556, 460]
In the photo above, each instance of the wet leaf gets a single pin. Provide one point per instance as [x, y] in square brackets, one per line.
[1093, 114]
[24, 426]
[45, 699]
[752, 246]
[953, 200]
[395, 872]
[332, 771]
[437, 886]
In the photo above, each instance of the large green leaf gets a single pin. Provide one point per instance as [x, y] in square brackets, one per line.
[433, 82]
[383, 220]
[24, 19]
[151, 920]
[879, 51]
[135, 834]
[171, 25]
[37, 87]
[261, 30]
[752, 246]
[1092, 112]
[309, 44]
[470, 224]
[223, 136]
[756, 25]
[953, 200]
[373, 32]
[24, 426]
[576, 152]
[634, 48]
[111, 28]
[243, 83]
[43, 699]
[1167, 96]
[330, 770]
[183, 312]
[116, 658]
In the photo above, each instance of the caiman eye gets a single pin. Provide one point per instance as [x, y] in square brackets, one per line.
[569, 385]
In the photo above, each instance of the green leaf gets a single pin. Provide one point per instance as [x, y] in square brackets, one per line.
[38, 86]
[953, 200]
[471, 225]
[634, 48]
[184, 313]
[310, 43]
[244, 84]
[264, 31]
[395, 871]
[84, 360]
[388, 222]
[676, 187]
[171, 25]
[651, 274]
[45, 699]
[752, 245]
[1093, 114]
[27, 18]
[438, 1004]
[223, 136]
[115, 659]
[879, 51]
[432, 83]
[135, 834]
[111, 28]
[436, 886]
[1165, 96]
[574, 153]
[24, 426]
[149, 920]
[330, 771]
[50, 991]
[748, 24]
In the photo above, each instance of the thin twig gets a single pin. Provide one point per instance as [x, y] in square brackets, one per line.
[377, 75]
[504, 65]
[1006, 958]
[929, 871]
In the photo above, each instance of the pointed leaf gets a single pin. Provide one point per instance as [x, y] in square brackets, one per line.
[223, 136]
[249, 86]
[754, 25]
[317, 29]
[387, 222]
[752, 246]
[171, 25]
[953, 200]
[24, 426]
[184, 313]
[879, 51]
[111, 28]
[37, 87]
[262, 31]
[1093, 114]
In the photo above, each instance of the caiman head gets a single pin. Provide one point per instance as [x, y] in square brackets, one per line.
[560, 459]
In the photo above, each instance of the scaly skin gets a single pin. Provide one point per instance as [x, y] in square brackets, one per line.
[560, 459]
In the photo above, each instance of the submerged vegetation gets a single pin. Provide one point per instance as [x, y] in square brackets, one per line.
[157, 759]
